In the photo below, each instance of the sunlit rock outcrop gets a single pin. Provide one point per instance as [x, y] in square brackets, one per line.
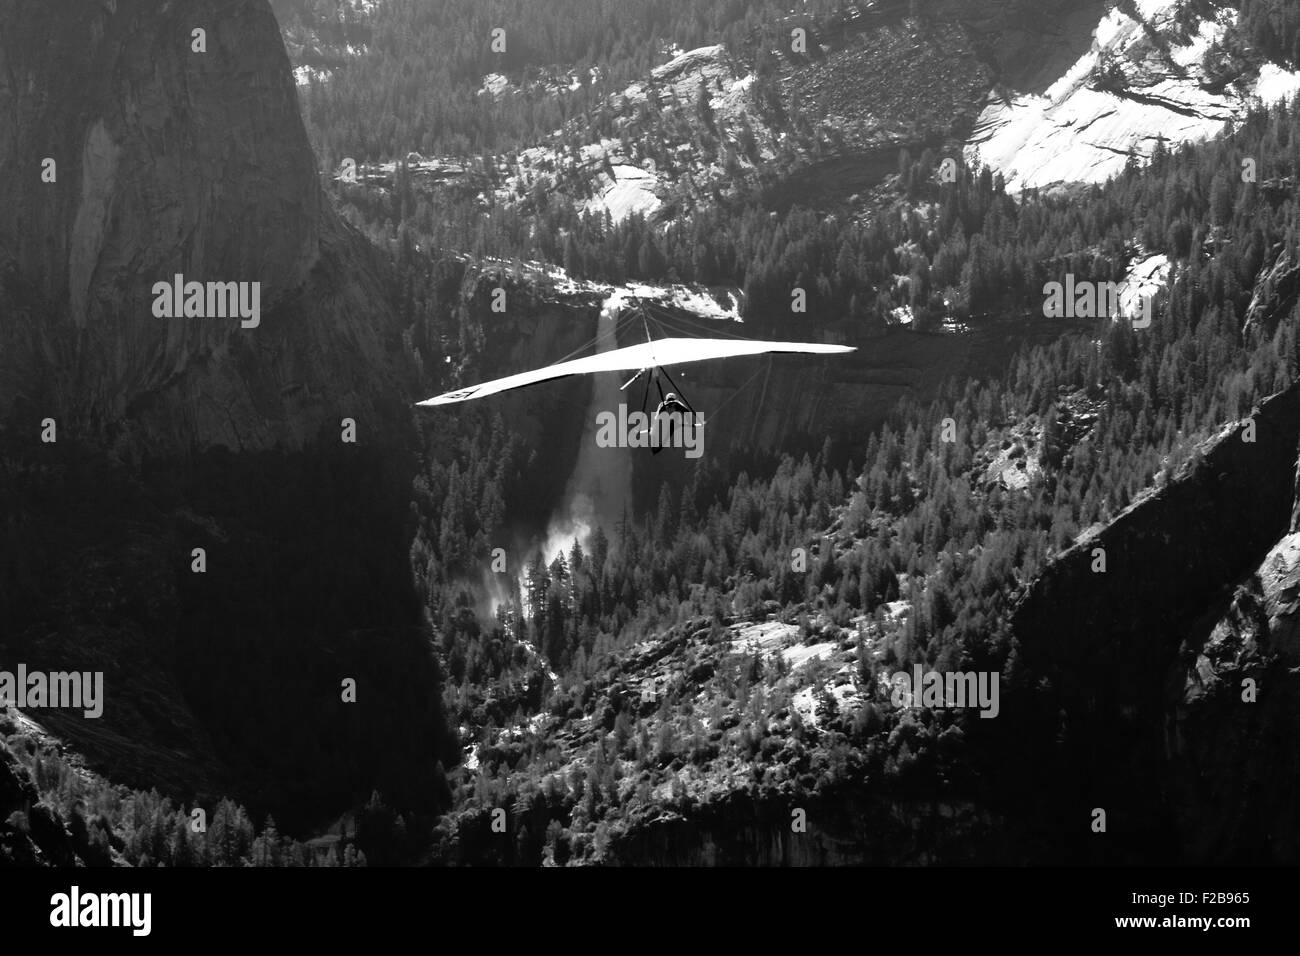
[1143, 79]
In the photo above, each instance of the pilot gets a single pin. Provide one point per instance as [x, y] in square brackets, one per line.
[670, 404]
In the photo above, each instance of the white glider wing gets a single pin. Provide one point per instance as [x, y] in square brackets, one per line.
[655, 354]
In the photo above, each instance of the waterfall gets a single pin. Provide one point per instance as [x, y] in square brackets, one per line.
[601, 482]
[602, 477]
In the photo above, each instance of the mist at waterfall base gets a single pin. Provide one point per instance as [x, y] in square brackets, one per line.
[600, 485]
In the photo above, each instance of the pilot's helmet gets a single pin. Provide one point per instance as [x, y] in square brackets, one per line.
[670, 397]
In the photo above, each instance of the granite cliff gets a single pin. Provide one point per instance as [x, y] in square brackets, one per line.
[169, 161]
[1156, 668]
[180, 153]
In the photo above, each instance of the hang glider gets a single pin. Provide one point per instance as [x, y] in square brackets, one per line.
[654, 354]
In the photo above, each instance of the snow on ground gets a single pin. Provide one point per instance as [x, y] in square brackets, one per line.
[722, 304]
[732, 101]
[1017, 466]
[634, 188]
[806, 704]
[1276, 84]
[1145, 277]
[678, 80]
[631, 191]
[897, 610]
[902, 315]
[1073, 133]
[534, 653]
[624, 180]
[416, 164]
[707, 305]
[494, 85]
[801, 654]
[693, 299]
[807, 701]
[627, 182]
[765, 638]
[302, 75]
[497, 85]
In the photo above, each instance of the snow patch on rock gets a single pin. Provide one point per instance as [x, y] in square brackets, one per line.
[765, 638]
[801, 654]
[494, 85]
[1077, 132]
[302, 75]
[629, 192]
[1144, 278]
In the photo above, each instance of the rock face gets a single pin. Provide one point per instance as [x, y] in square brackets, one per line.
[1144, 663]
[1279, 582]
[1138, 79]
[184, 433]
[847, 827]
[31, 834]
[1275, 295]
[1237, 500]
[1239, 686]
[170, 161]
